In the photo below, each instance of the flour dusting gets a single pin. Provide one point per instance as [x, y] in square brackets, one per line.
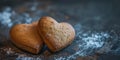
[5, 17]
[9, 17]
[22, 57]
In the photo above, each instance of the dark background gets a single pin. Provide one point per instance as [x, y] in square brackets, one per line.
[94, 16]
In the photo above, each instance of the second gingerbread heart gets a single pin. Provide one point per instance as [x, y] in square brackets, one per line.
[55, 35]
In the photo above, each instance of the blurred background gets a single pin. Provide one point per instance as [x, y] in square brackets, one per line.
[96, 22]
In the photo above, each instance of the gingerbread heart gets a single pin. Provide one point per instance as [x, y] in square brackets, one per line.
[55, 35]
[26, 37]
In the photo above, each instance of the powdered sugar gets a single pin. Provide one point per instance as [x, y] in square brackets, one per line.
[22, 57]
[8, 50]
[9, 17]
[5, 17]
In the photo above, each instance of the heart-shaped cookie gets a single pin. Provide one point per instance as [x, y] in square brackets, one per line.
[55, 35]
[26, 37]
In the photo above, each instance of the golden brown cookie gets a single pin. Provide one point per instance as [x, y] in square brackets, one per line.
[26, 37]
[55, 35]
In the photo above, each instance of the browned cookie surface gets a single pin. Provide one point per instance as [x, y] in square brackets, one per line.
[55, 35]
[26, 37]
